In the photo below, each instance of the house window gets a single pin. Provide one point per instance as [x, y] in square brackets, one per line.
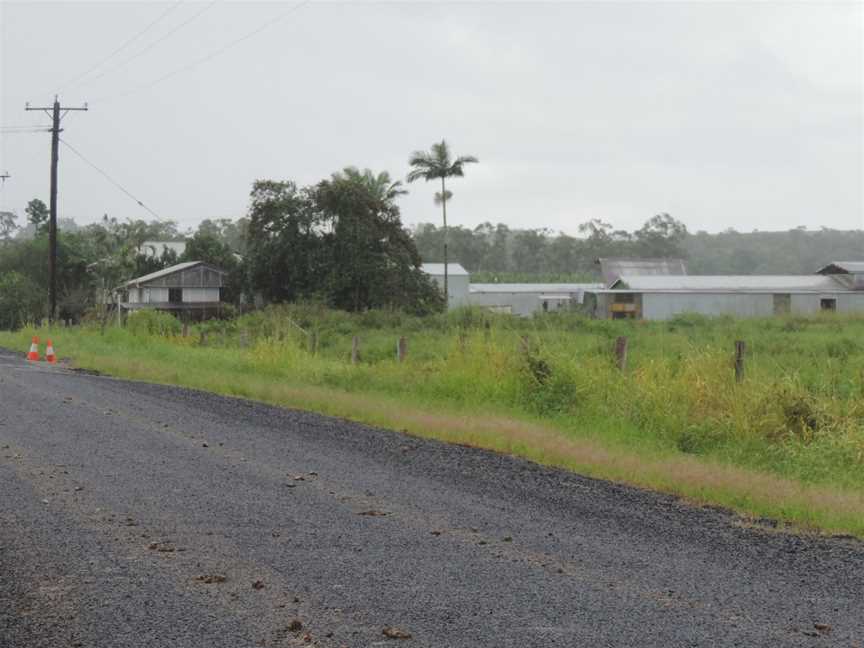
[175, 295]
[828, 304]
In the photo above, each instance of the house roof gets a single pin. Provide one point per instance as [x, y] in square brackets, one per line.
[613, 267]
[706, 283]
[168, 271]
[555, 288]
[453, 269]
[842, 267]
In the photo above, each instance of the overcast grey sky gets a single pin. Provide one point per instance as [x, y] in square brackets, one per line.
[744, 115]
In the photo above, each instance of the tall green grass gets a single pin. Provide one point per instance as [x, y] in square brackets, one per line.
[547, 388]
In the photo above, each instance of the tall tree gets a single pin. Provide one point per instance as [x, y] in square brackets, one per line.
[371, 260]
[7, 225]
[37, 215]
[661, 236]
[283, 245]
[432, 165]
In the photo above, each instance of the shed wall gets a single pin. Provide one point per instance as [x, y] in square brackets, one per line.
[662, 306]
[523, 304]
[457, 286]
[847, 303]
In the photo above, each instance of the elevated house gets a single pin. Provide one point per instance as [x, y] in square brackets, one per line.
[193, 289]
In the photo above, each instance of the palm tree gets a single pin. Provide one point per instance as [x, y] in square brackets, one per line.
[434, 164]
[381, 186]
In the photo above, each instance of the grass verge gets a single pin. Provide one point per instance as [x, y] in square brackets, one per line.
[595, 444]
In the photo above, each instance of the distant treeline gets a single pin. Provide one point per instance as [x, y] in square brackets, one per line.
[498, 253]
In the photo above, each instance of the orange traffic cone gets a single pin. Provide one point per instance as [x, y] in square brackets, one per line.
[49, 353]
[33, 356]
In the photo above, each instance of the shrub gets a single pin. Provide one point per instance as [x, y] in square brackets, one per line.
[21, 301]
[153, 322]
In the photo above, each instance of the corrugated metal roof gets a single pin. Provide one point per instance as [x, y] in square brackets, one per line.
[697, 283]
[612, 268]
[556, 288]
[852, 267]
[166, 271]
[453, 269]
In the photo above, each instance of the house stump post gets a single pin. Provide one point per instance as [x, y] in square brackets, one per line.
[355, 349]
[401, 348]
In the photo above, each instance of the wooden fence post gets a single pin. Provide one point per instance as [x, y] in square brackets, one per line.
[487, 330]
[401, 349]
[203, 340]
[244, 339]
[740, 348]
[355, 349]
[185, 329]
[621, 353]
[313, 342]
[524, 344]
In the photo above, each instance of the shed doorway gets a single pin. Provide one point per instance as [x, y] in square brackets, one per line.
[175, 295]
[782, 304]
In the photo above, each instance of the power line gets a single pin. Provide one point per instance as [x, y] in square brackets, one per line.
[211, 55]
[150, 46]
[24, 129]
[122, 47]
[109, 178]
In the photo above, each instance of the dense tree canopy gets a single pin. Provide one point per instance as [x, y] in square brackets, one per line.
[341, 240]
[498, 249]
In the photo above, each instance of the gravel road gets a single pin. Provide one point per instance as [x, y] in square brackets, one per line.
[141, 515]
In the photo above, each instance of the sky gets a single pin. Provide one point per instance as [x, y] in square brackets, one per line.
[745, 115]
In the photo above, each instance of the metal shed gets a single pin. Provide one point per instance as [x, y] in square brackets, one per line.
[663, 297]
[526, 299]
[457, 281]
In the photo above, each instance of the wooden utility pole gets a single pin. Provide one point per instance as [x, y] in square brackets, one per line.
[52, 223]
[446, 265]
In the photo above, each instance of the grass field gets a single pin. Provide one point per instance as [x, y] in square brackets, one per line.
[786, 443]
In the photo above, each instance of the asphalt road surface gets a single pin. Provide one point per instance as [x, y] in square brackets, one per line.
[140, 515]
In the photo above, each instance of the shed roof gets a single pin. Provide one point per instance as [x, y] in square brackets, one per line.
[453, 269]
[698, 283]
[168, 271]
[842, 267]
[613, 267]
[556, 288]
